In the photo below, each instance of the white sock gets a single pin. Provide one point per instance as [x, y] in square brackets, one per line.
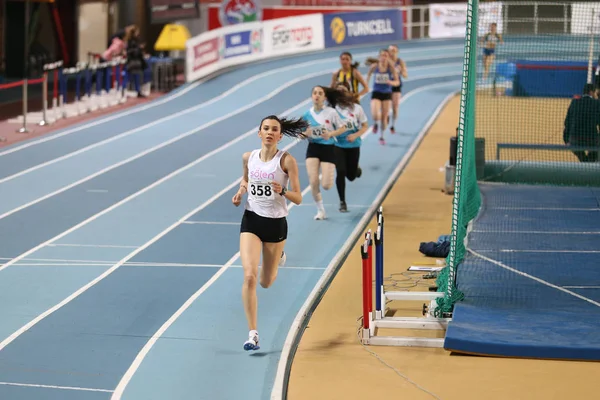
[320, 205]
[253, 332]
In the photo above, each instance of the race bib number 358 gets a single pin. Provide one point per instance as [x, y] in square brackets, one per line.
[262, 190]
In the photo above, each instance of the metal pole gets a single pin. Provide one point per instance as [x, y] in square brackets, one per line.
[44, 122]
[26, 69]
[591, 48]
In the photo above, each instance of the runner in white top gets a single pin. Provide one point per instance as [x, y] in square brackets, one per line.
[264, 224]
[347, 146]
[325, 124]
[262, 200]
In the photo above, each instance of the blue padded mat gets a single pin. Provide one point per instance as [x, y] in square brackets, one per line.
[531, 278]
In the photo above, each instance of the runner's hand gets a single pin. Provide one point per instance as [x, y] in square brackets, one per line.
[276, 187]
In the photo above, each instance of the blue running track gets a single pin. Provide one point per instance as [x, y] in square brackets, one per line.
[108, 228]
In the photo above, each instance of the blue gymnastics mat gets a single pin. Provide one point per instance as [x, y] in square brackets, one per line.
[531, 276]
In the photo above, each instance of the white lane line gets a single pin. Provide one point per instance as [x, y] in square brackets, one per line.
[548, 208]
[108, 246]
[581, 287]
[55, 387]
[536, 251]
[536, 232]
[150, 265]
[209, 223]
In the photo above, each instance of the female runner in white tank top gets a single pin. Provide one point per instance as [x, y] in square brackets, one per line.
[264, 225]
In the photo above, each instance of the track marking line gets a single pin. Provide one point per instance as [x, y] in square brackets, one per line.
[534, 278]
[61, 260]
[337, 205]
[537, 232]
[151, 265]
[581, 287]
[537, 251]
[209, 223]
[64, 265]
[55, 387]
[108, 246]
[547, 208]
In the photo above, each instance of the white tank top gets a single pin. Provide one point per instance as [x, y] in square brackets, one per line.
[261, 199]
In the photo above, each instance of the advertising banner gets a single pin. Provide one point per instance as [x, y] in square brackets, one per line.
[347, 29]
[205, 53]
[293, 35]
[242, 43]
[222, 48]
[450, 20]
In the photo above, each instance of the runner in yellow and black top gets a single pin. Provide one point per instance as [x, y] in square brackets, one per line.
[350, 74]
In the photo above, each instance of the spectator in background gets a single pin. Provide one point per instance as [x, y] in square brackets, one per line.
[582, 123]
[120, 34]
[117, 45]
[136, 62]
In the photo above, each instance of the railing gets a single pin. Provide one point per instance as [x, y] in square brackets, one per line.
[84, 88]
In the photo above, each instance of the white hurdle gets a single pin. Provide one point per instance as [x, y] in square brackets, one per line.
[374, 319]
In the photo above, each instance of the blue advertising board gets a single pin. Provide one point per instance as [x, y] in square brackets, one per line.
[346, 29]
[242, 43]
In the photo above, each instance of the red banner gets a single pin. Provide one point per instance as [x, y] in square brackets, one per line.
[347, 3]
[272, 13]
[206, 53]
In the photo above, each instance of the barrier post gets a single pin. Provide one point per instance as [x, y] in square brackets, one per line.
[44, 121]
[24, 129]
[379, 308]
[379, 303]
[369, 239]
[366, 284]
